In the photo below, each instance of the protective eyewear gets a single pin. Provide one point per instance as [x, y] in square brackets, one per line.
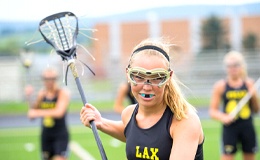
[49, 78]
[155, 77]
[233, 65]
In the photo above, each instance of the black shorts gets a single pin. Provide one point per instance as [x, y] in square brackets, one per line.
[54, 144]
[239, 135]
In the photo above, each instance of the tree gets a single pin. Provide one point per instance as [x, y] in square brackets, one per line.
[213, 34]
[9, 47]
[250, 41]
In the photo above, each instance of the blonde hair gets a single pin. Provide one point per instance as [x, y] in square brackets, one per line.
[52, 70]
[237, 57]
[173, 96]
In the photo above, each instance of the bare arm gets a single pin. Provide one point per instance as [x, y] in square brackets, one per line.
[187, 134]
[110, 127]
[57, 112]
[31, 101]
[120, 97]
[214, 111]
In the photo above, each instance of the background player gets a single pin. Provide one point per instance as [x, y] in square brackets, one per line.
[51, 105]
[231, 90]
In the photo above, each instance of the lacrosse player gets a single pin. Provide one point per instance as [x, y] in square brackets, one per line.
[162, 125]
[51, 105]
[239, 129]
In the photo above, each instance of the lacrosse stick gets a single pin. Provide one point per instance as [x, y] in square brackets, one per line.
[60, 30]
[244, 100]
[26, 59]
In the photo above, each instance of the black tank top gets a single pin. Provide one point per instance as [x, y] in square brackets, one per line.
[231, 97]
[50, 124]
[154, 142]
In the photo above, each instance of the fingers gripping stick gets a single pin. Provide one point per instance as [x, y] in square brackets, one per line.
[60, 31]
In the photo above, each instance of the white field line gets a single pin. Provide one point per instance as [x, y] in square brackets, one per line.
[13, 132]
[79, 151]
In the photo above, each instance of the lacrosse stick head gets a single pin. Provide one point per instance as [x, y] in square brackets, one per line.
[60, 30]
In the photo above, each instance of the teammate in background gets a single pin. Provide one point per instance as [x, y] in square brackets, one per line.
[51, 105]
[124, 91]
[162, 125]
[230, 91]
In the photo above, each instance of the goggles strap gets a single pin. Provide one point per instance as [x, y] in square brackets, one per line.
[154, 48]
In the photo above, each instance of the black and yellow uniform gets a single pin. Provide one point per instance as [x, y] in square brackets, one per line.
[54, 136]
[154, 142]
[242, 129]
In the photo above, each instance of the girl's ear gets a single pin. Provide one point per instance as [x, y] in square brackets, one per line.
[171, 73]
[126, 71]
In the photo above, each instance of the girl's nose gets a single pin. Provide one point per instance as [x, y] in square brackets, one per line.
[147, 85]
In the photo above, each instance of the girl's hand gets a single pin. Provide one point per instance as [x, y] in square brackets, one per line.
[90, 113]
[32, 113]
[227, 119]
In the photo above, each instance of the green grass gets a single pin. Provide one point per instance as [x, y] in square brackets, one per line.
[22, 107]
[7, 108]
[14, 140]
[13, 143]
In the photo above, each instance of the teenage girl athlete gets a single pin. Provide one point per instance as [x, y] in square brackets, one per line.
[51, 105]
[230, 91]
[124, 91]
[163, 125]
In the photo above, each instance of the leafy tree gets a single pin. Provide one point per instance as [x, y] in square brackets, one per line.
[250, 41]
[9, 47]
[213, 34]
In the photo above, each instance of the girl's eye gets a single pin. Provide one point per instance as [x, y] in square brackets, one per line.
[161, 78]
[138, 77]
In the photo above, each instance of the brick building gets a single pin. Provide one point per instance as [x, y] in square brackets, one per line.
[118, 34]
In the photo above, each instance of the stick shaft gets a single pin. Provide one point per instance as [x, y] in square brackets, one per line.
[244, 100]
[81, 91]
[28, 77]
[84, 100]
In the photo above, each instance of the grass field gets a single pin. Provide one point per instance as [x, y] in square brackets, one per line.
[23, 143]
[21, 107]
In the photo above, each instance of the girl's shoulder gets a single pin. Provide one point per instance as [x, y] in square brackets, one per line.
[249, 81]
[191, 124]
[42, 92]
[127, 113]
[219, 86]
[220, 83]
[63, 90]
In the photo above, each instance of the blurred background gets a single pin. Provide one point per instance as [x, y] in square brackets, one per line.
[202, 31]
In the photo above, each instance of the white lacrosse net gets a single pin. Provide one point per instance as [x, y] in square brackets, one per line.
[60, 31]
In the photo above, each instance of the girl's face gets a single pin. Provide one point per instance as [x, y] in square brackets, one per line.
[233, 68]
[141, 91]
[49, 79]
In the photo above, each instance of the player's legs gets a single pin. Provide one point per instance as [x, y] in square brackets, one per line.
[229, 141]
[227, 157]
[59, 158]
[61, 149]
[248, 141]
[46, 148]
[249, 156]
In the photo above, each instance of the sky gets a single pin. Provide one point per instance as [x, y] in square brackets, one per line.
[29, 10]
